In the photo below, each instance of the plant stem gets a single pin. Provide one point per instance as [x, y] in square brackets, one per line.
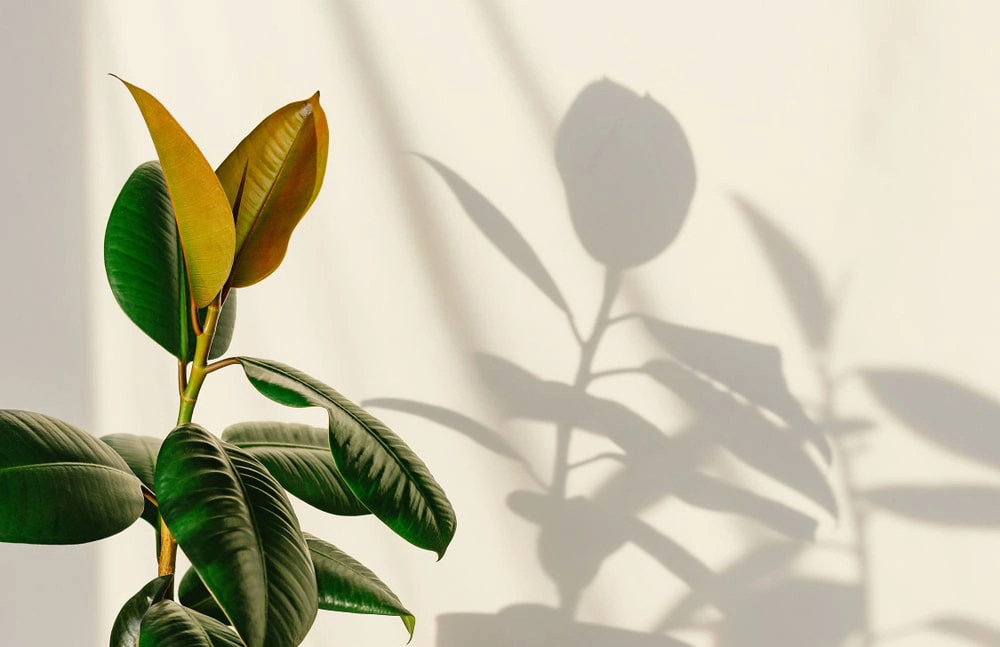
[189, 398]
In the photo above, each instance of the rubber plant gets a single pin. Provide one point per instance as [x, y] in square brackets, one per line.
[180, 240]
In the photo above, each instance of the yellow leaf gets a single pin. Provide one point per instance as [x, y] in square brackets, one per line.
[204, 217]
[276, 172]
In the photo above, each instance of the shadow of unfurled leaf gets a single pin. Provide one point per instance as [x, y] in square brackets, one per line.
[796, 273]
[468, 427]
[811, 612]
[969, 629]
[951, 415]
[748, 368]
[747, 434]
[532, 625]
[501, 232]
[628, 171]
[520, 394]
[956, 505]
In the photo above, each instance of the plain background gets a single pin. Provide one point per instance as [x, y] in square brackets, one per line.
[866, 132]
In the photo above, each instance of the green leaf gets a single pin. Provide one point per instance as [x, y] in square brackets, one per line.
[298, 456]
[345, 584]
[277, 171]
[140, 454]
[168, 624]
[125, 631]
[235, 524]
[382, 471]
[145, 266]
[203, 213]
[191, 592]
[60, 485]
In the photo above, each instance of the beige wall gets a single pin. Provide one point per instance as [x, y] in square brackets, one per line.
[843, 153]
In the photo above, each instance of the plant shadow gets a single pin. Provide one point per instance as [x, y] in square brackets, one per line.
[629, 176]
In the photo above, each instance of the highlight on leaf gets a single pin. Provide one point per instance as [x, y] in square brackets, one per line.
[271, 179]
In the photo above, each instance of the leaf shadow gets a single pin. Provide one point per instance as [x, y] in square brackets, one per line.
[628, 173]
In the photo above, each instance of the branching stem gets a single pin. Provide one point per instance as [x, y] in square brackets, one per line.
[190, 388]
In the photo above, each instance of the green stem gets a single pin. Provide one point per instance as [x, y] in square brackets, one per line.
[189, 398]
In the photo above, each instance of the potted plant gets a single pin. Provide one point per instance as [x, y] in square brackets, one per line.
[180, 241]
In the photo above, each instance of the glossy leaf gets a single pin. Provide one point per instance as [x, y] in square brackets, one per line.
[191, 592]
[168, 624]
[345, 584]
[145, 266]
[382, 471]
[276, 171]
[125, 631]
[203, 213]
[298, 456]
[140, 454]
[235, 524]
[60, 485]
[501, 232]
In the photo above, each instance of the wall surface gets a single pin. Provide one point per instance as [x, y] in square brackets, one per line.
[689, 307]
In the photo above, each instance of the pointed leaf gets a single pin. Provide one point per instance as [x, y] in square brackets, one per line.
[345, 584]
[191, 592]
[501, 232]
[298, 456]
[954, 505]
[125, 631]
[60, 485]
[753, 370]
[276, 171]
[235, 524]
[953, 416]
[204, 217]
[796, 273]
[382, 471]
[145, 266]
[168, 624]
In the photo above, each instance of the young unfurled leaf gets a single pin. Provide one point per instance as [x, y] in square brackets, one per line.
[60, 485]
[382, 471]
[203, 213]
[298, 456]
[235, 524]
[276, 171]
[345, 584]
[125, 631]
